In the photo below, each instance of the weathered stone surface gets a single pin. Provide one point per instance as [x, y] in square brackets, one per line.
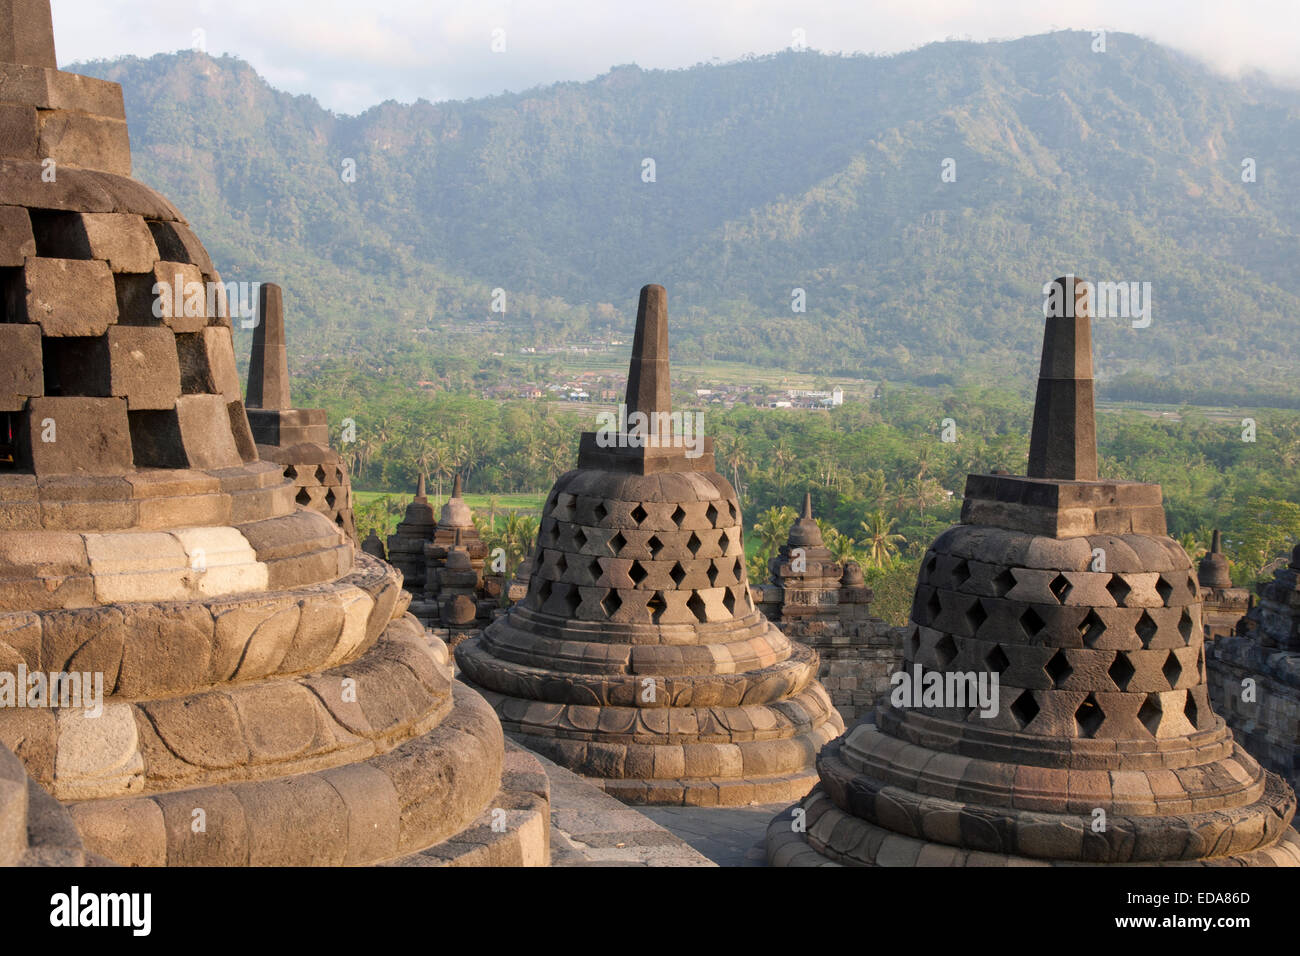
[21, 374]
[65, 297]
[69, 436]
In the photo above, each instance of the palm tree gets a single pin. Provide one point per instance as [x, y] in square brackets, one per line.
[773, 527]
[842, 547]
[880, 541]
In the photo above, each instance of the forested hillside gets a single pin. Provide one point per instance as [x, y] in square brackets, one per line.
[795, 170]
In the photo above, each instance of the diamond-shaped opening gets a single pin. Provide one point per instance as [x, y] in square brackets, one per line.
[1146, 628]
[573, 599]
[945, 650]
[655, 545]
[724, 542]
[1164, 589]
[960, 573]
[1004, 582]
[1031, 622]
[611, 602]
[997, 659]
[329, 498]
[1060, 588]
[712, 514]
[913, 643]
[679, 515]
[931, 563]
[616, 543]
[1121, 671]
[637, 573]
[595, 570]
[657, 605]
[1058, 668]
[1172, 669]
[544, 591]
[579, 538]
[933, 607]
[1149, 713]
[1025, 708]
[713, 574]
[696, 605]
[1091, 628]
[1185, 626]
[729, 601]
[678, 573]
[693, 544]
[1118, 589]
[638, 514]
[303, 497]
[1200, 663]
[550, 532]
[600, 511]
[561, 564]
[1089, 717]
[976, 615]
[1191, 711]
[320, 474]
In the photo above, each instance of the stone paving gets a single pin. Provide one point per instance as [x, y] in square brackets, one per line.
[729, 836]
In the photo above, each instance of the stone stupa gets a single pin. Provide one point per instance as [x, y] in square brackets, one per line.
[265, 700]
[1102, 746]
[297, 438]
[637, 657]
[1255, 674]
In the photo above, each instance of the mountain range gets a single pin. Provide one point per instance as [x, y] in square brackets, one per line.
[919, 200]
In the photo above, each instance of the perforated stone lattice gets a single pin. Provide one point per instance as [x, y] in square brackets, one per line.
[1088, 653]
[640, 562]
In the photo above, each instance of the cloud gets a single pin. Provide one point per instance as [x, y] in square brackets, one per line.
[352, 55]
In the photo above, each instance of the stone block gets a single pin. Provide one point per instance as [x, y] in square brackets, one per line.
[64, 297]
[99, 756]
[124, 241]
[143, 366]
[16, 240]
[69, 435]
[80, 139]
[21, 373]
[19, 132]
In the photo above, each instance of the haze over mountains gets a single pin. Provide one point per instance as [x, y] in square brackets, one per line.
[796, 170]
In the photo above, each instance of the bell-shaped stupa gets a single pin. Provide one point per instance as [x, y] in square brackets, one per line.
[638, 658]
[1053, 706]
[199, 669]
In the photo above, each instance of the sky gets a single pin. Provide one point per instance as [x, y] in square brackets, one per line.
[353, 54]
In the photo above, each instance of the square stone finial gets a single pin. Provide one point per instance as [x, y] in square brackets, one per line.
[1063, 443]
[648, 376]
[268, 365]
[27, 33]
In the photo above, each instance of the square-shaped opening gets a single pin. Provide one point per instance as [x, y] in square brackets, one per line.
[76, 365]
[196, 371]
[156, 439]
[59, 235]
[9, 457]
[135, 298]
[12, 292]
